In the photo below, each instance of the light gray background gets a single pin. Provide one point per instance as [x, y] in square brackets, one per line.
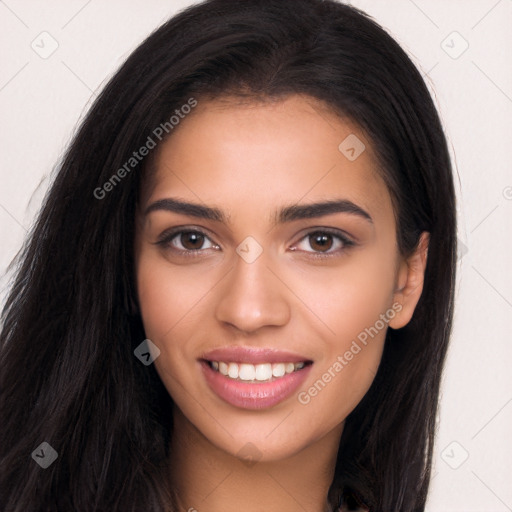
[42, 100]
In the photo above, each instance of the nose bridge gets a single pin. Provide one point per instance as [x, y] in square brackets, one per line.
[252, 296]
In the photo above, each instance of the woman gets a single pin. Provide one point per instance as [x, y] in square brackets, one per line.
[226, 301]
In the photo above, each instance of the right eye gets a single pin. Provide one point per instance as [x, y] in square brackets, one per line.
[187, 242]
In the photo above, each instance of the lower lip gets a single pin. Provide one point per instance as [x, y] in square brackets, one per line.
[248, 395]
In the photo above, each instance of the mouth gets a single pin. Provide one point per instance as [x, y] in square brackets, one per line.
[254, 378]
[253, 373]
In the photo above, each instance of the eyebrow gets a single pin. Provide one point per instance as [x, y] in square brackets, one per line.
[286, 214]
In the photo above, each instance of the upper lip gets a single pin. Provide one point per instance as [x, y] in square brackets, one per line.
[253, 355]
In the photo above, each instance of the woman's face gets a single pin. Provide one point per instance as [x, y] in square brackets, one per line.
[238, 271]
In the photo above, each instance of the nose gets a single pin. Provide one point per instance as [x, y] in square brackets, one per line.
[253, 297]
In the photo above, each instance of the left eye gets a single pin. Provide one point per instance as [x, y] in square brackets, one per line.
[325, 242]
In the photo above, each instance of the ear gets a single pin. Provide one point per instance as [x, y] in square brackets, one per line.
[409, 283]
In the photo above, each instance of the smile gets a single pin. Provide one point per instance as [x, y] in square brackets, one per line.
[247, 372]
[251, 378]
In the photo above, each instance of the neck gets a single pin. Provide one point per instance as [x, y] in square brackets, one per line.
[208, 479]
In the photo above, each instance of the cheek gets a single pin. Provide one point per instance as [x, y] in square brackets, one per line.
[349, 299]
[345, 370]
[164, 313]
[173, 302]
[168, 297]
[355, 307]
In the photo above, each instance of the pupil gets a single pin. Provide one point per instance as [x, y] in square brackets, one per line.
[323, 241]
[192, 240]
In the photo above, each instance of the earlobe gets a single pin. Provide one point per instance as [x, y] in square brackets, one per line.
[410, 282]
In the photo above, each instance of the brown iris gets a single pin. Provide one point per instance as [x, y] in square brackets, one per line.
[322, 241]
[193, 239]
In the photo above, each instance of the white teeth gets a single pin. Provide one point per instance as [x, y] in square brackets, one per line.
[263, 371]
[255, 372]
[247, 372]
[278, 370]
[223, 368]
[233, 370]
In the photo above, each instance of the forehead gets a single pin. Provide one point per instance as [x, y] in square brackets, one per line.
[259, 154]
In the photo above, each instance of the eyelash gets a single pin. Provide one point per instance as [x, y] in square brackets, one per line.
[167, 237]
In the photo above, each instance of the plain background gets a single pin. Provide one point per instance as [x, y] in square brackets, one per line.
[43, 99]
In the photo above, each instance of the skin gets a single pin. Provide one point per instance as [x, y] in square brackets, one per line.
[250, 159]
